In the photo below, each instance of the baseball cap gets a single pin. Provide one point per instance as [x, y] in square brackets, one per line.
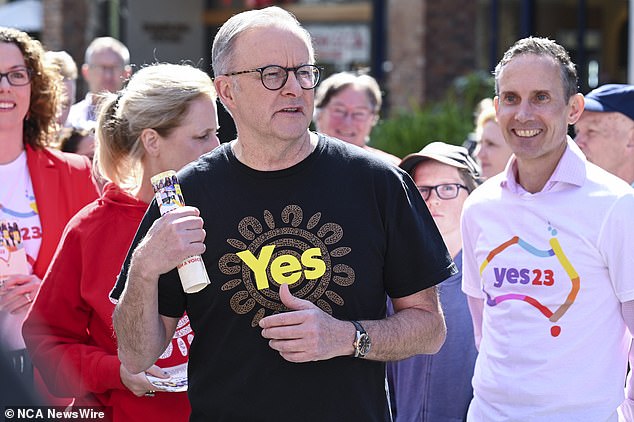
[612, 98]
[453, 155]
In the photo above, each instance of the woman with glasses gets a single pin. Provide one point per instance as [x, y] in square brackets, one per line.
[438, 387]
[40, 188]
[347, 107]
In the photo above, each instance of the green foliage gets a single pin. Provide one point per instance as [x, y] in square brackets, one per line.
[449, 120]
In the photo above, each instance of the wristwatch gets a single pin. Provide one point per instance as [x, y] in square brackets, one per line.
[362, 342]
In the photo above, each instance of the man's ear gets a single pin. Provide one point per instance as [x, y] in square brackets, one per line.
[225, 90]
[150, 140]
[576, 105]
[127, 72]
[84, 70]
[375, 119]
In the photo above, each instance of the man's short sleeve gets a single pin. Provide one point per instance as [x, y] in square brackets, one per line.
[171, 295]
[416, 256]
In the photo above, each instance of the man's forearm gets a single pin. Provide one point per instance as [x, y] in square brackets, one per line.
[141, 333]
[409, 332]
[306, 333]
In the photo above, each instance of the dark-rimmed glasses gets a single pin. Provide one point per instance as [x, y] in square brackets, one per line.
[17, 77]
[443, 191]
[274, 77]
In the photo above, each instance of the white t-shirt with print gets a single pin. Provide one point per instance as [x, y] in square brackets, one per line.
[553, 268]
[20, 237]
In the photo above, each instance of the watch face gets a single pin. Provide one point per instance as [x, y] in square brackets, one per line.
[364, 344]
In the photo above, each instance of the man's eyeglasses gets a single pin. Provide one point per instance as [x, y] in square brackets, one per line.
[359, 115]
[274, 77]
[102, 69]
[443, 191]
[17, 77]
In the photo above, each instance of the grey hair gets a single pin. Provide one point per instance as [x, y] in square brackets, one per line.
[223, 49]
[107, 43]
[542, 47]
[65, 63]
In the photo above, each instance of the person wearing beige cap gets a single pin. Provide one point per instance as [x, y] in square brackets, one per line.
[605, 130]
[438, 387]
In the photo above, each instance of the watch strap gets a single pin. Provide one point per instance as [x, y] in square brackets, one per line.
[360, 331]
[358, 326]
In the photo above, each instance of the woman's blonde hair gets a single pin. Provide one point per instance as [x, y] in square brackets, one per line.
[156, 97]
[487, 114]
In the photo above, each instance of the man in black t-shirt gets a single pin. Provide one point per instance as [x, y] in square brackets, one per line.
[303, 238]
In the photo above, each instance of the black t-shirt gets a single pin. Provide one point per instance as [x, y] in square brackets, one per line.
[342, 228]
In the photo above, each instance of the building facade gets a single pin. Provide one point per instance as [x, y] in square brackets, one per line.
[415, 48]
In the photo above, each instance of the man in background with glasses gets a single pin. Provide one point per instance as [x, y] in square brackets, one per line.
[106, 67]
[437, 388]
[292, 326]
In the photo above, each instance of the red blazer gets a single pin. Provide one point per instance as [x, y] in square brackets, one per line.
[62, 184]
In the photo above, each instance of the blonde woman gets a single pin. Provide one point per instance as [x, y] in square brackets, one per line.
[492, 151]
[164, 118]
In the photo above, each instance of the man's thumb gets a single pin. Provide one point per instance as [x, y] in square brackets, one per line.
[291, 302]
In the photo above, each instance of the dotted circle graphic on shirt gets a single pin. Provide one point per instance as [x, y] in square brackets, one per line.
[291, 235]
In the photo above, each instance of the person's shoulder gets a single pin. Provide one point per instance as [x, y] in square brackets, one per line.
[492, 184]
[73, 161]
[351, 155]
[113, 206]
[486, 193]
[54, 157]
[601, 180]
[213, 160]
[78, 114]
[85, 220]
[392, 159]
[81, 104]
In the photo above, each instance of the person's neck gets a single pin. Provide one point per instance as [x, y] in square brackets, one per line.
[453, 241]
[145, 192]
[270, 156]
[533, 174]
[11, 145]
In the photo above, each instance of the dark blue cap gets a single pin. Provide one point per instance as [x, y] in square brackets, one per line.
[612, 98]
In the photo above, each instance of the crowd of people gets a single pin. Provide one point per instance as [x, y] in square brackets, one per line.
[470, 286]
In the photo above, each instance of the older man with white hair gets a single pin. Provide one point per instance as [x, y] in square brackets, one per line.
[605, 130]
